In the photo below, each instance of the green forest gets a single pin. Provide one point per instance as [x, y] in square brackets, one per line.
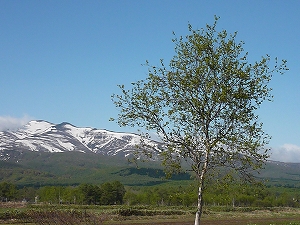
[115, 193]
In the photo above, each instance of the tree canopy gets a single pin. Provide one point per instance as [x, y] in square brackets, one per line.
[203, 105]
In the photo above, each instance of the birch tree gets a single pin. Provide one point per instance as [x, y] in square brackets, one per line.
[203, 105]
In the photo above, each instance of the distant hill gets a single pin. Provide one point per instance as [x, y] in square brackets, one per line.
[71, 168]
[281, 174]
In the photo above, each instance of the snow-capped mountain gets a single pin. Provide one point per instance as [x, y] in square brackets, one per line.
[39, 135]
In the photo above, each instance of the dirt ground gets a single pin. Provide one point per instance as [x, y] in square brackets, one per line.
[244, 221]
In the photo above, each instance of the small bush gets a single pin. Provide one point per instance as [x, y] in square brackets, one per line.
[70, 217]
[148, 212]
[12, 214]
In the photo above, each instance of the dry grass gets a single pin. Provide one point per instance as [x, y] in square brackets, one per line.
[52, 217]
[83, 215]
[273, 216]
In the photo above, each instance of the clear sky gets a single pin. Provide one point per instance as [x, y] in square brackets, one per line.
[62, 60]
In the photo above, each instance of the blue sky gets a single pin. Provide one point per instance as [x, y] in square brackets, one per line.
[62, 60]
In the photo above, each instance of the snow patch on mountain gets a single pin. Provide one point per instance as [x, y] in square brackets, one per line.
[34, 127]
[67, 145]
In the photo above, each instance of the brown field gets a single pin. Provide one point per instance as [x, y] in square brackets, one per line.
[242, 216]
[257, 221]
[283, 216]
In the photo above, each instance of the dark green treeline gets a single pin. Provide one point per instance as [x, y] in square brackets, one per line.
[108, 193]
[111, 193]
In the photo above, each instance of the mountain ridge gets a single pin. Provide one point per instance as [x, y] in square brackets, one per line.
[41, 135]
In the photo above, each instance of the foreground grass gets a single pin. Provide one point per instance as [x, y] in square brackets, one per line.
[141, 215]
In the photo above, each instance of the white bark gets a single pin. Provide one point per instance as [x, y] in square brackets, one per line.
[199, 206]
[200, 190]
[197, 218]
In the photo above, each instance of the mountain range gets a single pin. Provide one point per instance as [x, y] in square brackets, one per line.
[42, 136]
[43, 153]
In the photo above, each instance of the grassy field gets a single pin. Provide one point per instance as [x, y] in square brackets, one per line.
[18, 214]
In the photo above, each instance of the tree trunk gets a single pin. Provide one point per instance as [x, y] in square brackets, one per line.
[200, 204]
[200, 190]
[197, 219]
